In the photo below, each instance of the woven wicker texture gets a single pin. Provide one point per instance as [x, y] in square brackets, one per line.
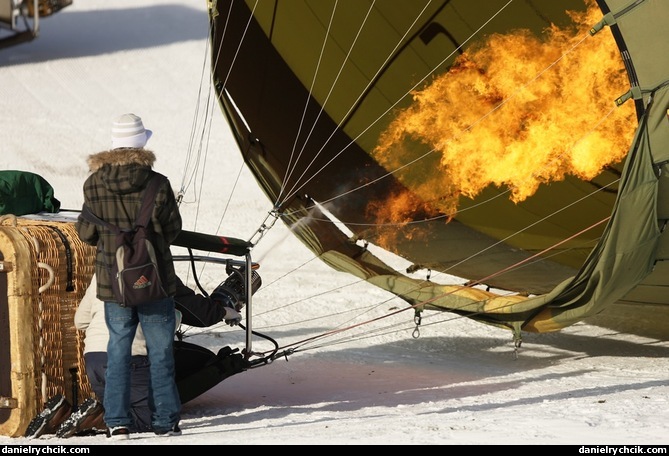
[58, 345]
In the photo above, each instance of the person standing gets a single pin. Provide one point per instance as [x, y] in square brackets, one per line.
[113, 192]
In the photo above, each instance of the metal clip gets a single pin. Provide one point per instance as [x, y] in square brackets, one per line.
[417, 319]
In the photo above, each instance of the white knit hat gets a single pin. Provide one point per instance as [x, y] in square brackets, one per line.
[128, 131]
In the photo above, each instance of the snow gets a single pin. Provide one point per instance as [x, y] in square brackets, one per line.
[351, 380]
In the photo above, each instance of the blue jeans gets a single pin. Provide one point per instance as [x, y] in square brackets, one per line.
[158, 325]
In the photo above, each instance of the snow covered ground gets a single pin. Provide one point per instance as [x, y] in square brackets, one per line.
[452, 382]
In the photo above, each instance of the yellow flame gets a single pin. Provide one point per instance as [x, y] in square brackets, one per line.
[515, 111]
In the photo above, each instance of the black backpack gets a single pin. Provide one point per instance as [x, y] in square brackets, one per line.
[134, 273]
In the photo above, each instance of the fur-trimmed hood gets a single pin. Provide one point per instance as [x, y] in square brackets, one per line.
[125, 156]
[121, 171]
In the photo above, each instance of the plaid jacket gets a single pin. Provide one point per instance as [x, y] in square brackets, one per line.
[114, 192]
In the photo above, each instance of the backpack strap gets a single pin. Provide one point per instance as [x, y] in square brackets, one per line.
[91, 217]
[148, 200]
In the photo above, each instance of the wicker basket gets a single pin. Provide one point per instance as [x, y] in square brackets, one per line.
[44, 272]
